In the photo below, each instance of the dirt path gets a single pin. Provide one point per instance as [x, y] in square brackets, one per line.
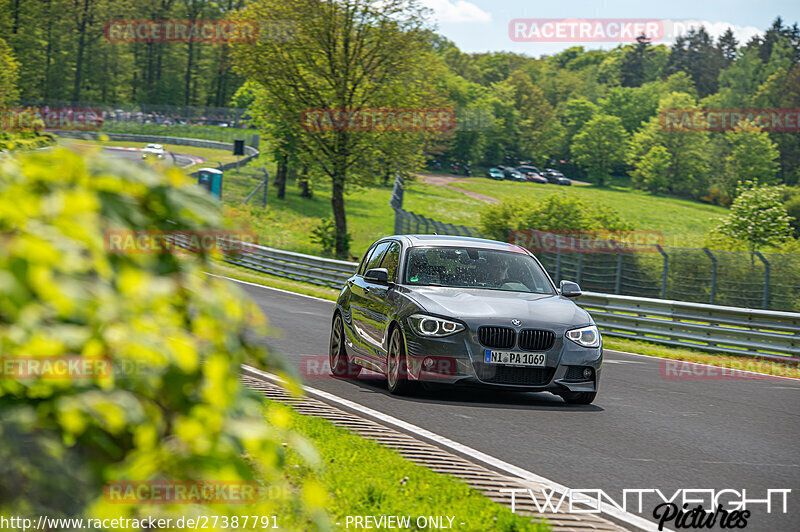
[446, 181]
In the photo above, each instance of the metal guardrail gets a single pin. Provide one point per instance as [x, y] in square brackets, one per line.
[735, 330]
[715, 328]
[297, 266]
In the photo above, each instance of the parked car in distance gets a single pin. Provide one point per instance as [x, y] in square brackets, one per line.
[528, 168]
[556, 177]
[513, 175]
[154, 150]
[532, 176]
[495, 173]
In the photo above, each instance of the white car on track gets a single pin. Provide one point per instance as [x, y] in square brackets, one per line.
[154, 150]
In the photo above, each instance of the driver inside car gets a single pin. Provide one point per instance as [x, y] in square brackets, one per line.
[497, 266]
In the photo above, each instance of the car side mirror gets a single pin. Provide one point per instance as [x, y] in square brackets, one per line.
[570, 289]
[377, 276]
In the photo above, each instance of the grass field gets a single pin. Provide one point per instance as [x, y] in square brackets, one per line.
[361, 477]
[287, 223]
[682, 222]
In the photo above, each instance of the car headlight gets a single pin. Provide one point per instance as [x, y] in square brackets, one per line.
[585, 336]
[433, 327]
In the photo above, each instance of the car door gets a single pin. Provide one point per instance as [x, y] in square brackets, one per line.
[379, 303]
[361, 315]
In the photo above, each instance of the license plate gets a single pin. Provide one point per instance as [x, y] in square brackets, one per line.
[516, 359]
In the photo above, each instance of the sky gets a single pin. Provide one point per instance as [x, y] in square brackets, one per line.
[483, 25]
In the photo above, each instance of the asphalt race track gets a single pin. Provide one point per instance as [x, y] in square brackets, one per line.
[136, 156]
[644, 431]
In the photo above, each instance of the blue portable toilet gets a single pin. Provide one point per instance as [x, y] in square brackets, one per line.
[211, 180]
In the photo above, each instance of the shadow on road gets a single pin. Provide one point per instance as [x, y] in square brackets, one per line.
[473, 397]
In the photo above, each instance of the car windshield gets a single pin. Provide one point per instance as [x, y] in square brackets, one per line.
[488, 269]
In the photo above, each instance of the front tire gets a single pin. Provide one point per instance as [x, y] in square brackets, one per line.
[579, 398]
[397, 364]
[341, 365]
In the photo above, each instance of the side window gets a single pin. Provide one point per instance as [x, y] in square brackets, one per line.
[374, 260]
[364, 261]
[390, 259]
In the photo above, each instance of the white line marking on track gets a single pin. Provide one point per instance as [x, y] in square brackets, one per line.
[270, 288]
[626, 517]
[700, 364]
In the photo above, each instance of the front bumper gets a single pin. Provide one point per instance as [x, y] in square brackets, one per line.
[458, 360]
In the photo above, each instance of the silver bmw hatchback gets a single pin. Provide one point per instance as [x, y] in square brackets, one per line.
[449, 310]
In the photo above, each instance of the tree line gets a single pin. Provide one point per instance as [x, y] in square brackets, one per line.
[593, 113]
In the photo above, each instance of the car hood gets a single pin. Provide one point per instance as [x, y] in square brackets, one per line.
[494, 306]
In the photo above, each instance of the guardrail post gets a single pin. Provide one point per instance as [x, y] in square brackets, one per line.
[713, 274]
[766, 278]
[664, 271]
[618, 280]
[579, 273]
[398, 222]
[266, 186]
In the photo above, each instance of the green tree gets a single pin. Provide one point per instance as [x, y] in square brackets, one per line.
[557, 212]
[792, 205]
[687, 172]
[652, 172]
[633, 105]
[752, 156]
[695, 54]
[351, 55]
[727, 46]
[636, 63]
[535, 115]
[574, 114]
[600, 146]
[9, 71]
[758, 217]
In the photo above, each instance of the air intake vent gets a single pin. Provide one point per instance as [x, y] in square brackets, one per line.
[498, 337]
[575, 374]
[497, 374]
[536, 340]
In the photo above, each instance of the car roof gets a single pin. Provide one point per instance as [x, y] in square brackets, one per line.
[453, 241]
